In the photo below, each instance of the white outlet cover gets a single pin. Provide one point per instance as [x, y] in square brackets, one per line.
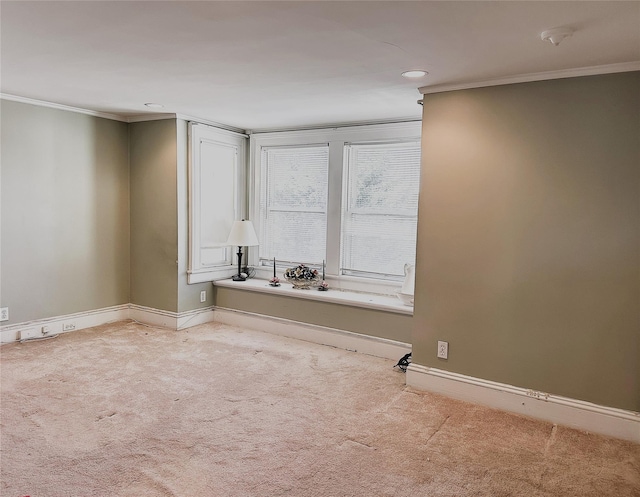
[4, 314]
[443, 350]
[30, 333]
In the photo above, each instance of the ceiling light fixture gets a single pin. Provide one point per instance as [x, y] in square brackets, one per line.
[555, 36]
[414, 74]
[154, 106]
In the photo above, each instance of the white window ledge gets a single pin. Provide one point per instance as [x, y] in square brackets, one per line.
[356, 299]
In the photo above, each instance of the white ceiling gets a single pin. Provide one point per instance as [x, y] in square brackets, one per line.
[267, 65]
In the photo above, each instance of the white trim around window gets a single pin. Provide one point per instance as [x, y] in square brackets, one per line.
[217, 165]
[337, 139]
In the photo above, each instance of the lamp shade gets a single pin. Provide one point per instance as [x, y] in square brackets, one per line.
[243, 235]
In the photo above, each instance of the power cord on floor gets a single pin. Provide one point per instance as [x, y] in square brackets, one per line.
[39, 339]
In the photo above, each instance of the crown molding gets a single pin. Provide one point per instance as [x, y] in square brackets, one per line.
[68, 108]
[539, 76]
[354, 124]
[115, 117]
[149, 117]
[233, 129]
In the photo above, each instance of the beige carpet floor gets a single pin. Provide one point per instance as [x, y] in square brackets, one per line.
[129, 410]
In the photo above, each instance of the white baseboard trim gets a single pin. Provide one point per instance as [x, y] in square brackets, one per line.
[195, 317]
[56, 324]
[96, 317]
[573, 413]
[153, 317]
[169, 319]
[375, 346]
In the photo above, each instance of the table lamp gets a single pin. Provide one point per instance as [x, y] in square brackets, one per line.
[242, 235]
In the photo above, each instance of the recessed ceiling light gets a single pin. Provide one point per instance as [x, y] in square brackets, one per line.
[155, 106]
[414, 74]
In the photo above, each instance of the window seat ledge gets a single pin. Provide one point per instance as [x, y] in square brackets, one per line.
[375, 301]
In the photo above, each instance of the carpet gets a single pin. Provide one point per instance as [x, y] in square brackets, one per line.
[129, 410]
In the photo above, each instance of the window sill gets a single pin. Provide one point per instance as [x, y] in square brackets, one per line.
[378, 302]
[210, 274]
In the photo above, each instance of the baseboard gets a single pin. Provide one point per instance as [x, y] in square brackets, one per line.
[565, 411]
[366, 344]
[64, 324]
[375, 346]
[169, 319]
[153, 317]
[195, 317]
[96, 317]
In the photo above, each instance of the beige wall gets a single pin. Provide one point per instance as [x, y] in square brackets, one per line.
[342, 317]
[74, 187]
[160, 218]
[529, 236]
[154, 218]
[65, 212]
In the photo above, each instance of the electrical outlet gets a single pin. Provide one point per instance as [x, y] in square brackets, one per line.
[46, 330]
[68, 326]
[30, 333]
[203, 296]
[4, 314]
[443, 350]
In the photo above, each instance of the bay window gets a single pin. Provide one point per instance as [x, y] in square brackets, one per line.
[347, 196]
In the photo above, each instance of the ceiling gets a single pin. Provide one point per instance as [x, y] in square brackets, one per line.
[271, 65]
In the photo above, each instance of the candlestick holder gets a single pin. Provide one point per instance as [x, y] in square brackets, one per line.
[323, 286]
[275, 281]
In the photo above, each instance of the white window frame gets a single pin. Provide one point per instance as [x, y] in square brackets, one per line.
[337, 138]
[198, 133]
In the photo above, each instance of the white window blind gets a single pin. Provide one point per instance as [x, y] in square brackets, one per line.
[293, 204]
[381, 208]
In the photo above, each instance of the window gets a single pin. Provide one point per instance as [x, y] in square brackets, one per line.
[348, 196]
[380, 213]
[216, 176]
[293, 203]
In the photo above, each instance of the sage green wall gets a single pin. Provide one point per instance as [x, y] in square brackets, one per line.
[529, 236]
[355, 319]
[64, 212]
[154, 221]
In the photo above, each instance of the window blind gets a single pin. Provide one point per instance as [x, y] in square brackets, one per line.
[380, 218]
[293, 204]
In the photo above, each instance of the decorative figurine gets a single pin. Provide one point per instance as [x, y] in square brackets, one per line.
[302, 277]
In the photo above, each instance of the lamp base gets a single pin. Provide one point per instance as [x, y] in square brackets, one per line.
[240, 276]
